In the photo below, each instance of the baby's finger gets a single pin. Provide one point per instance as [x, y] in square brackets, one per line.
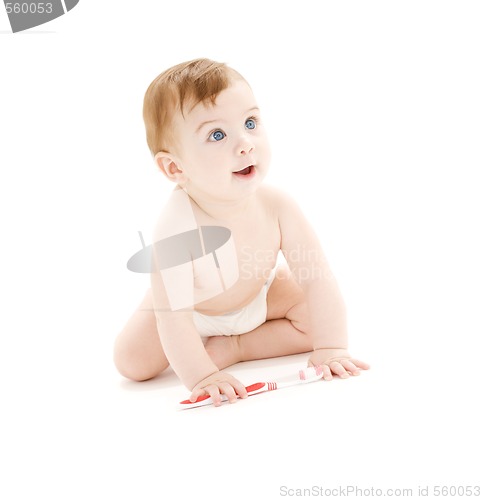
[213, 391]
[350, 367]
[196, 393]
[360, 364]
[337, 368]
[240, 389]
[327, 375]
[228, 391]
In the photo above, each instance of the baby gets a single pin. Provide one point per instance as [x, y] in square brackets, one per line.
[217, 296]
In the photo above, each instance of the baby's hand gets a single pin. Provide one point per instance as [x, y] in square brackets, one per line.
[336, 361]
[219, 383]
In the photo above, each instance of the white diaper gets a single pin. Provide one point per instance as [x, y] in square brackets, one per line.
[236, 322]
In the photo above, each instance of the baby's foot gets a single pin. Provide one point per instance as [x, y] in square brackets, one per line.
[224, 350]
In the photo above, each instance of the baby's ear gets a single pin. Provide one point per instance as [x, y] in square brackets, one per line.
[168, 164]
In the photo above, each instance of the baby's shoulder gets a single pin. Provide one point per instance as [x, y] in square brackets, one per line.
[176, 216]
[274, 198]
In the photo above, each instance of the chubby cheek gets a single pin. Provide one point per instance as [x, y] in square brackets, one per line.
[212, 174]
[265, 155]
[262, 145]
[218, 165]
[268, 153]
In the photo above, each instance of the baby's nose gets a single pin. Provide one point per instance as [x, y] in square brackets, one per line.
[245, 147]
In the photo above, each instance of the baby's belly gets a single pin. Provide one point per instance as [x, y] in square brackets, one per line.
[242, 293]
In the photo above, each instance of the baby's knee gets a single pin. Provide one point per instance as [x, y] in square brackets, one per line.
[134, 365]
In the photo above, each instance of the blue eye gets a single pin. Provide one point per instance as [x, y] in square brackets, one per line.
[250, 124]
[217, 135]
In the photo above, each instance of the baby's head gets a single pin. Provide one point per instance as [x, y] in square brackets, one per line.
[203, 129]
[178, 90]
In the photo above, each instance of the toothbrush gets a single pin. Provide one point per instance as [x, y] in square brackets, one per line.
[310, 374]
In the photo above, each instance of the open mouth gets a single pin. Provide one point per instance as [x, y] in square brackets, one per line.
[245, 171]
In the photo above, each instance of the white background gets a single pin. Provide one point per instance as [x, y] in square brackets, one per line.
[374, 113]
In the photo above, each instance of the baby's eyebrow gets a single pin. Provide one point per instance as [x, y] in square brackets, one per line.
[207, 122]
[254, 108]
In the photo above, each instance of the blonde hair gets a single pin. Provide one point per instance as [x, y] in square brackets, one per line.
[192, 82]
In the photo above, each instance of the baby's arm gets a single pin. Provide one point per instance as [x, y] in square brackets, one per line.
[172, 283]
[303, 253]
[185, 350]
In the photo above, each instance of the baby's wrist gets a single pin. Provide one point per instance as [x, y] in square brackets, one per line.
[204, 377]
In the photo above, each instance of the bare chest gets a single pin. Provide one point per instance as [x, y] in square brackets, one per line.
[253, 251]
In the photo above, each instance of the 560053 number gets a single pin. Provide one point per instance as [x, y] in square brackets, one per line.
[456, 491]
[28, 8]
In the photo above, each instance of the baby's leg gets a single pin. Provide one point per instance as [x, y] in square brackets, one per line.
[285, 331]
[138, 353]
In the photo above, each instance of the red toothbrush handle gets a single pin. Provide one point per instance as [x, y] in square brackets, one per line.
[250, 389]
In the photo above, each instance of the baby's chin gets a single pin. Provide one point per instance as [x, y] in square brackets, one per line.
[237, 187]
